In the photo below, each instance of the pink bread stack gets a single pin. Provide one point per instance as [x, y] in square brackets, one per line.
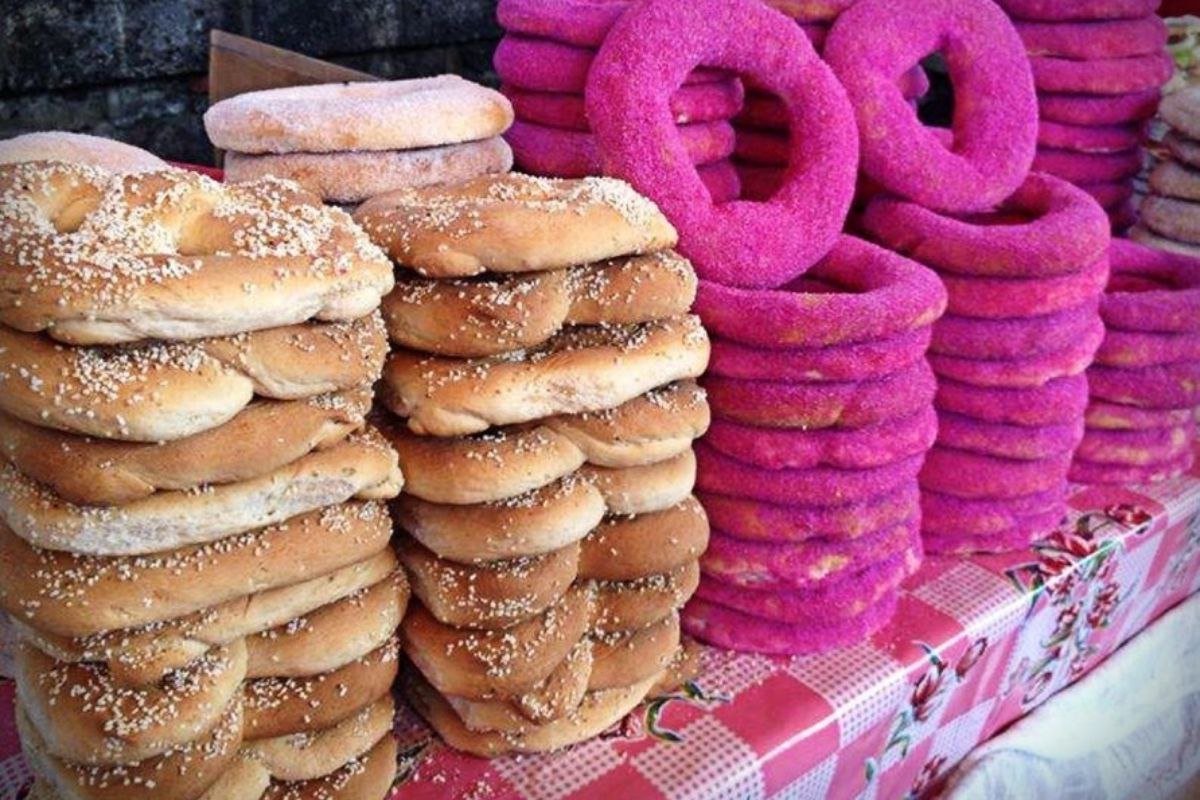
[1099, 66]
[1145, 383]
[543, 63]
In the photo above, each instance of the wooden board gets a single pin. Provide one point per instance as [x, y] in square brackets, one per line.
[237, 64]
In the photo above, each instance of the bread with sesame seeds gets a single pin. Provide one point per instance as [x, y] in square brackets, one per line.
[630, 604]
[164, 391]
[265, 435]
[492, 314]
[490, 595]
[577, 370]
[622, 658]
[312, 755]
[514, 223]
[626, 548]
[361, 466]
[642, 489]
[79, 148]
[92, 257]
[367, 777]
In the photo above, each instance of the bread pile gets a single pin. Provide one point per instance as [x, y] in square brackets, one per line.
[1170, 214]
[544, 409]
[194, 544]
[351, 141]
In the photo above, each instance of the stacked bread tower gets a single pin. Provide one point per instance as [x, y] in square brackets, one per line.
[1145, 383]
[1098, 69]
[348, 142]
[542, 389]
[192, 540]
[543, 62]
[1170, 214]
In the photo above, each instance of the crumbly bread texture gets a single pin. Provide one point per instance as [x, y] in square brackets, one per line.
[93, 257]
[643, 489]
[625, 548]
[514, 223]
[79, 148]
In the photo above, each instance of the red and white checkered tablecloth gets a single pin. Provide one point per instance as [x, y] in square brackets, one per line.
[978, 642]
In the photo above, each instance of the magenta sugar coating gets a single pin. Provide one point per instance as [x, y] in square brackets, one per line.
[1136, 448]
[583, 23]
[1102, 75]
[1160, 386]
[1095, 39]
[646, 56]
[747, 518]
[1031, 371]
[1089, 138]
[1018, 537]
[1151, 290]
[704, 102]
[1020, 442]
[875, 41]
[1059, 11]
[947, 515]
[1109, 194]
[1088, 167]
[974, 475]
[735, 630]
[721, 179]
[1001, 298]
[1087, 472]
[765, 112]
[1047, 227]
[779, 448]
[1090, 109]
[1137, 349]
[847, 362]
[765, 148]
[1059, 401]
[1012, 337]
[1118, 417]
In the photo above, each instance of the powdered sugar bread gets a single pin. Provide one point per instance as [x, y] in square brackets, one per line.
[79, 148]
[335, 117]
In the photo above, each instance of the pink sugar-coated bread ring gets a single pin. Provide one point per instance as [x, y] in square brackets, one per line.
[1018, 537]
[571, 154]
[1018, 442]
[849, 362]
[995, 125]
[1102, 75]
[1151, 290]
[1001, 298]
[878, 294]
[975, 475]
[1090, 109]
[1116, 417]
[1099, 39]
[762, 147]
[646, 56]
[798, 565]
[1160, 386]
[811, 10]
[721, 179]
[947, 515]
[1109, 194]
[703, 102]
[849, 404]
[1136, 448]
[718, 472]
[1088, 167]
[1059, 401]
[1029, 372]
[735, 630]
[1087, 472]
[746, 518]
[1014, 337]
[759, 182]
[1136, 349]
[1047, 227]
[861, 448]
[583, 23]
[1060, 11]
[767, 112]
[1089, 138]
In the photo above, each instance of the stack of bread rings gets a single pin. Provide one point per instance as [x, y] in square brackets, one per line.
[543, 62]
[1145, 383]
[193, 545]
[1170, 214]
[541, 396]
[1099, 67]
[348, 142]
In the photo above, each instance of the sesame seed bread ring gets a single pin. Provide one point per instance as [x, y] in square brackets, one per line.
[163, 391]
[628, 605]
[490, 595]
[537, 522]
[361, 466]
[577, 370]
[314, 755]
[1143, 235]
[514, 223]
[644, 489]
[183, 773]
[1174, 219]
[263, 437]
[352, 177]
[627, 548]
[245, 779]
[483, 664]
[379, 115]
[83, 716]
[72, 596]
[96, 258]
[630, 657]
[331, 636]
[79, 148]
[278, 706]
[368, 777]
[499, 314]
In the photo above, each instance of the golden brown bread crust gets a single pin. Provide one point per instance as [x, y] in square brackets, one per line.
[644, 489]
[93, 257]
[264, 436]
[626, 548]
[162, 391]
[368, 777]
[83, 716]
[490, 595]
[485, 664]
[627, 657]
[579, 369]
[493, 314]
[360, 466]
[314, 755]
[686, 665]
[541, 521]
[74, 596]
[626, 605]
[514, 223]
